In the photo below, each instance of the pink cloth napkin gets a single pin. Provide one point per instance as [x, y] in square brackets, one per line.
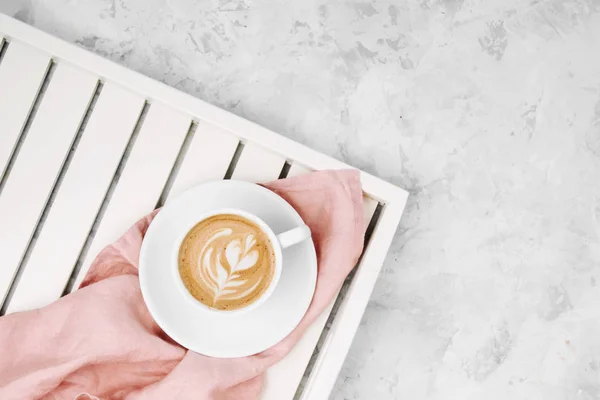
[101, 340]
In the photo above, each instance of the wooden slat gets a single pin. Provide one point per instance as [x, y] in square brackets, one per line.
[283, 378]
[207, 158]
[22, 73]
[369, 207]
[39, 162]
[143, 178]
[79, 198]
[297, 170]
[257, 164]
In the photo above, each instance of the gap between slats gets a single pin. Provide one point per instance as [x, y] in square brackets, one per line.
[234, 160]
[3, 47]
[177, 165]
[285, 170]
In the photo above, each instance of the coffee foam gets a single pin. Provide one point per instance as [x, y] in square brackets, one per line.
[226, 262]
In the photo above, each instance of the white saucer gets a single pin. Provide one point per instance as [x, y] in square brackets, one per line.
[216, 334]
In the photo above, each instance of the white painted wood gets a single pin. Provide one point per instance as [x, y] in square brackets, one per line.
[143, 178]
[297, 170]
[22, 73]
[257, 164]
[249, 131]
[207, 158]
[347, 319]
[39, 162]
[79, 198]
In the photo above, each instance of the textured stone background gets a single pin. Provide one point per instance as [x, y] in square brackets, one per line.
[487, 111]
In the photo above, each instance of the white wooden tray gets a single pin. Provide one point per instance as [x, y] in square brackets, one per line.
[87, 147]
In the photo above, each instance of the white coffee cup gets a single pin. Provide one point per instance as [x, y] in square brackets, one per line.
[278, 242]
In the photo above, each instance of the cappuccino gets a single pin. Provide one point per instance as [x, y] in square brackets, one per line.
[226, 262]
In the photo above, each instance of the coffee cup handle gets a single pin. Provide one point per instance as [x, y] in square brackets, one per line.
[293, 236]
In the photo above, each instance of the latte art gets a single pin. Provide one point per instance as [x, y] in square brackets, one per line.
[226, 262]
